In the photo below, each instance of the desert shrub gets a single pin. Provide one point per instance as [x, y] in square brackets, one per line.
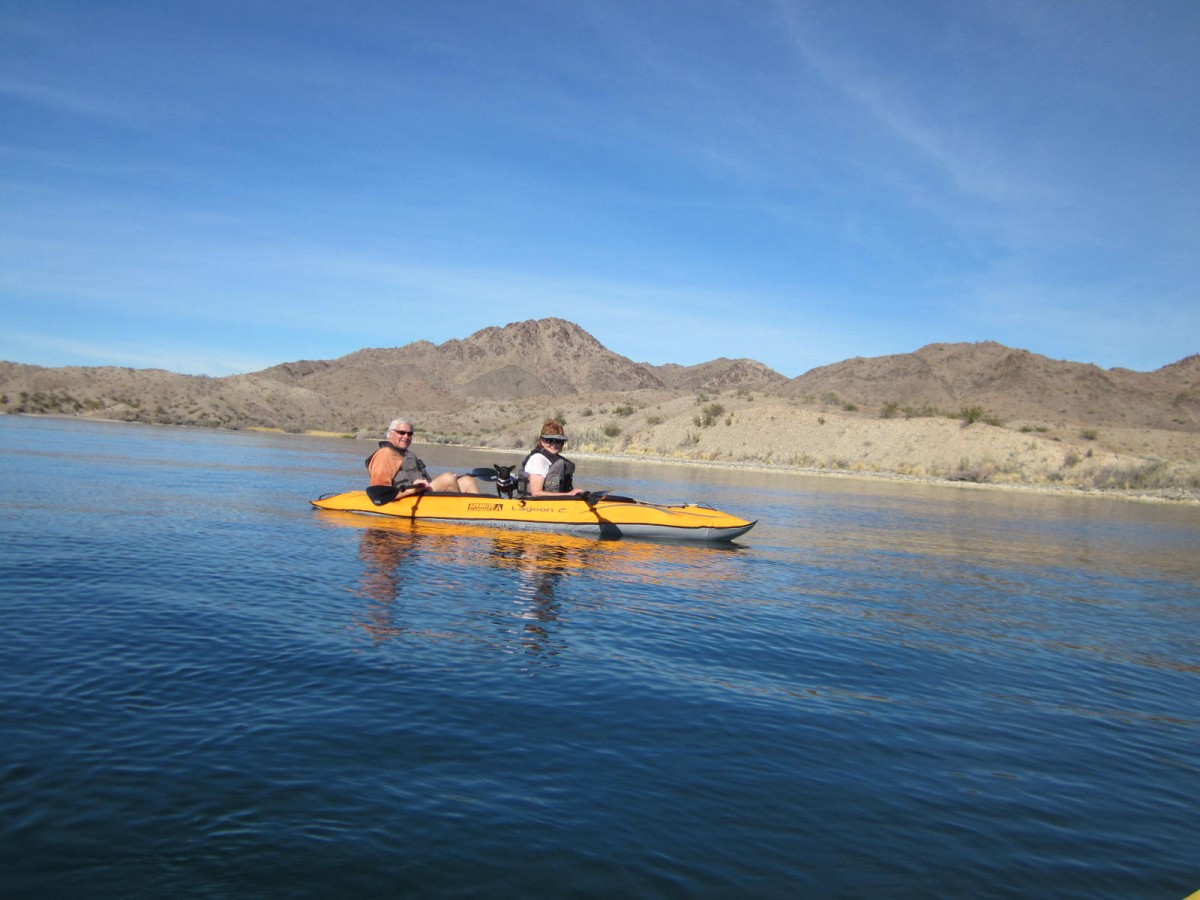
[709, 415]
[890, 410]
[970, 414]
[654, 420]
[1089, 434]
[850, 407]
[612, 429]
[977, 472]
[921, 412]
[1152, 475]
[587, 413]
[623, 410]
[49, 402]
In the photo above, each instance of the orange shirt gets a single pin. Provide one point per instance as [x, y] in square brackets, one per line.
[383, 466]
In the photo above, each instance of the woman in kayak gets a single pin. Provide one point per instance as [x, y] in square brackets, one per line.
[392, 466]
[545, 471]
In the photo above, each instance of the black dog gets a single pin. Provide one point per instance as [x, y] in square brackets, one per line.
[506, 482]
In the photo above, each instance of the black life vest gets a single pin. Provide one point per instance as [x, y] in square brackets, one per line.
[410, 470]
[560, 478]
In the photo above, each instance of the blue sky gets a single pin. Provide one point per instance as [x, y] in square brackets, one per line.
[216, 187]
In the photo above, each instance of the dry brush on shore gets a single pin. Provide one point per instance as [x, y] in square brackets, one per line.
[739, 428]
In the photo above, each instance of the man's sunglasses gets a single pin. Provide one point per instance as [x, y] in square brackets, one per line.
[398, 431]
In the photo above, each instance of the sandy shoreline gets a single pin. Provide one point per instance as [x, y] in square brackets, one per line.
[1172, 497]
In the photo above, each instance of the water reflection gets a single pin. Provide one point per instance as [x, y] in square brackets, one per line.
[522, 607]
[951, 525]
[383, 552]
[540, 564]
[518, 582]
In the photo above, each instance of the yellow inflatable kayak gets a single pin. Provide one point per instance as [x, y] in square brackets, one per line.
[597, 515]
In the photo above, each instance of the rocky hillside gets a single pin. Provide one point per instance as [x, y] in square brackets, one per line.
[522, 361]
[1012, 385]
[719, 375]
[539, 362]
[982, 412]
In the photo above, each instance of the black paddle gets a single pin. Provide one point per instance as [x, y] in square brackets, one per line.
[382, 493]
[379, 494]
[594, 497]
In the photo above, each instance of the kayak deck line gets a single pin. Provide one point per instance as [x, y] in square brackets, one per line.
[608, 518]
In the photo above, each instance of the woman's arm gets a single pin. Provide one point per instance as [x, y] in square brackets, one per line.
[537, 482]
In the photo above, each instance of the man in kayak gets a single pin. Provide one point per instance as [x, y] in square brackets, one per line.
[397, 472]
[545, 471]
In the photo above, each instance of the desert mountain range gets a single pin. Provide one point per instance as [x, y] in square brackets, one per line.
[1016, 416]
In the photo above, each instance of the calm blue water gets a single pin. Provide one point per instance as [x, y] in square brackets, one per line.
[209, 689]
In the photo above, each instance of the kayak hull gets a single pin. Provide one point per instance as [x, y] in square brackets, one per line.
[618, 518]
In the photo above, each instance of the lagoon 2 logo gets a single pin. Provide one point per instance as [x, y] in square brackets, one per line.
[485, 507]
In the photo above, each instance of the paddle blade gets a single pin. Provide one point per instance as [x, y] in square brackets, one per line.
[381, 494]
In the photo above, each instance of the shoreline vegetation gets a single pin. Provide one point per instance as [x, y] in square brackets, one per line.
[967, 449]
[985, 460]
[1166, 495]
